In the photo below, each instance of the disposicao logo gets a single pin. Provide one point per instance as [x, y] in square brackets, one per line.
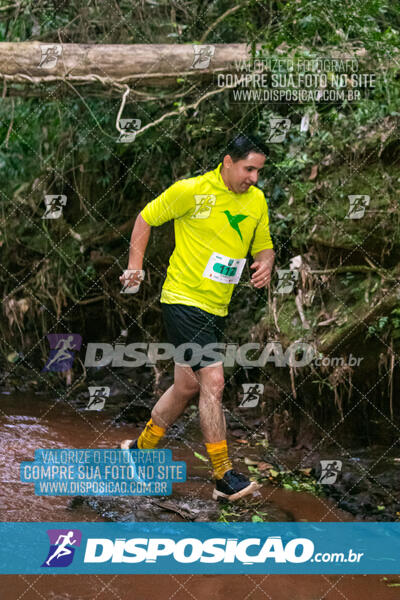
[62, 547]
[191, 550]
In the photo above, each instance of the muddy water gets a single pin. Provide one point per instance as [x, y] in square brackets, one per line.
[31, 421]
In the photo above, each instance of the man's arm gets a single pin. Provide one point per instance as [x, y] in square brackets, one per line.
[262, 265]
[139, 240]
[174, 202]
[137, 248]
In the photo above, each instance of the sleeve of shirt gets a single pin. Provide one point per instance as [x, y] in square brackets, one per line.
[262, 238]
[176, 201]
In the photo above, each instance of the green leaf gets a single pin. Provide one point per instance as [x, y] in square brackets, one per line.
[382, 322]
[12, 357]
[200, 457]
[253, 469]
[263, 443]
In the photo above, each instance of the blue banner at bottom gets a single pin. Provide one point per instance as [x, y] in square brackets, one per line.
[204, 548]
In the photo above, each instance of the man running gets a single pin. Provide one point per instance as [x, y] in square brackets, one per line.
[217, 217]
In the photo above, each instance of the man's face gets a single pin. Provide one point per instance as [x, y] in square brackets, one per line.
[240, 175]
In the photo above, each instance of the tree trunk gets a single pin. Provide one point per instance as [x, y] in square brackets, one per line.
[138, 65]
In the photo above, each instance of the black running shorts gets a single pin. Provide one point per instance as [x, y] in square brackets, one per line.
[194, 327]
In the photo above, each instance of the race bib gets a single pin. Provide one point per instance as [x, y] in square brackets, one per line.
[224, 269]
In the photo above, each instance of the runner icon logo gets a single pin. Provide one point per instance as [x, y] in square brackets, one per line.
[357, 206]
[62, 547]
[202, 56]
[62, 347]
[133, 279]
[50, 55]
[286, 280]
[54, 206]
[129, 127]
[252, 393]
[279, 128]
[98, 395]
[330, 470]
[204, 204]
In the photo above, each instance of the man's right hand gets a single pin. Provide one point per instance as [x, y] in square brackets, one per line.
[131, 280]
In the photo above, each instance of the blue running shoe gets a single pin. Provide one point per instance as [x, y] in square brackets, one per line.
[233, 486]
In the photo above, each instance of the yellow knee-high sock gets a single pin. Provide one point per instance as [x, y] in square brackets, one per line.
[150, 436]
[218, 453]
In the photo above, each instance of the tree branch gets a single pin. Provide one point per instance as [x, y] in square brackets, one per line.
[218, 21]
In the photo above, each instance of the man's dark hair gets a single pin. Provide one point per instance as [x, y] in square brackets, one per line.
[241, 146]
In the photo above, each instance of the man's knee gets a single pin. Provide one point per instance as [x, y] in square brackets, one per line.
[188, 387]
[212, 380]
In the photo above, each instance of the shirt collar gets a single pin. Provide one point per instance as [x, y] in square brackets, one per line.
[219, 178]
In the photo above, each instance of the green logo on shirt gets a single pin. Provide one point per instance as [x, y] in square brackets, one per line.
[234, 221]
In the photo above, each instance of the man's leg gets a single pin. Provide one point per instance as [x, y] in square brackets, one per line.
[229, 484]
[174, 401]
[212, 418]
[168, 408]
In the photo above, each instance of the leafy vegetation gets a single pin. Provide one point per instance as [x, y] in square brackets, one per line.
[63, 274]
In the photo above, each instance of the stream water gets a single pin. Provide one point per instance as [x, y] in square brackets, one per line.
[31, 421]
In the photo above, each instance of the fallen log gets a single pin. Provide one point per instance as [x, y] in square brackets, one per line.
[138, 65]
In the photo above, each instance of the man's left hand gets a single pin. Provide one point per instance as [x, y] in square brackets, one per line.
[262, 274]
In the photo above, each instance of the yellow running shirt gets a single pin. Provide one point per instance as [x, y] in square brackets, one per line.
[214, 227]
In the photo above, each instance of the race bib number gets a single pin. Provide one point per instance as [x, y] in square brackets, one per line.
[224, 269]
